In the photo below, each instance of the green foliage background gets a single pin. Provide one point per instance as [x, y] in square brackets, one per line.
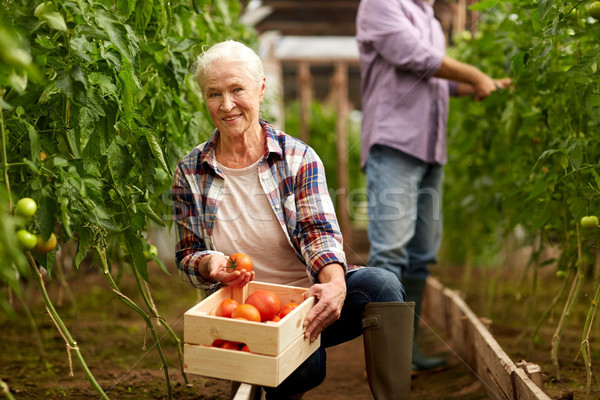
[526, 157]
[103, 89]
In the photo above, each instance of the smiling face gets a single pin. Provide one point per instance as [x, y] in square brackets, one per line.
[233, 98]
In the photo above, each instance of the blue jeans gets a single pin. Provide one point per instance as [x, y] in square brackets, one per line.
[405, 212]
[363, 286]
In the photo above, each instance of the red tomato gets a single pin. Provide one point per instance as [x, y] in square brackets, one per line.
[267, 303]
[247, 311]
[245, 348]
[286, 309]
[276, 318]
[226, 308]
[229, 345]
[218, 342]
[240, 261]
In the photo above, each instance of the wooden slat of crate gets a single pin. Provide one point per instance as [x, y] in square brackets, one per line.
[270, 338]
[256, 369]
[525, 389]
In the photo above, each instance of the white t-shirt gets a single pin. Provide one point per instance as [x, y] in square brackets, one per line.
[247, 224]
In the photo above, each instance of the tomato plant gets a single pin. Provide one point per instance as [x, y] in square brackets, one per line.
[97, 103]
[246, 311]
[266, 302]
[240, 261]
[528, 168]
[225, 308]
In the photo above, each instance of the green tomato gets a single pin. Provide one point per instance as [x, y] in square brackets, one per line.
[26, 207]
[589, 222]
[26, 240]
[594, 10]
[151, 253]
[561, 274]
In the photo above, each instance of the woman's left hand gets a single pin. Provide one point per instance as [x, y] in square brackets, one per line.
[330, 297]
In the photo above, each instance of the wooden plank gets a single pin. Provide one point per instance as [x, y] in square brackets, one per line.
[525, 389]
[433, 309]
[491, 386]
[339, 96]
[492, 359]
[533, 372]
[500, 376]
[455, 324]
[306, 95]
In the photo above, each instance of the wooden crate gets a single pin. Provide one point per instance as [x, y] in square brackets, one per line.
[277, 348]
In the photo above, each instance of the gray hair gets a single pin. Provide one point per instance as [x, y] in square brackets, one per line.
[229, 50]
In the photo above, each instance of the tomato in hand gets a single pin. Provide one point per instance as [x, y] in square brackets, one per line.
[226, 307]
[287, 308]
[267, 303]
[240, 261]
[247, 311]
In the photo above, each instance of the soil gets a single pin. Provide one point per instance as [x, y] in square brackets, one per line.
[120, 353]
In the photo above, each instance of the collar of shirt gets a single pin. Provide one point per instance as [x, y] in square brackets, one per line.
[272, 147]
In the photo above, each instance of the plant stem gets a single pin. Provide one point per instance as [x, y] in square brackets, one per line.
[147, 296]
[102, 255]
[36, 331]
[3, 144]
[585, 341]
[567, 309]
[71, 343]
[6, 390]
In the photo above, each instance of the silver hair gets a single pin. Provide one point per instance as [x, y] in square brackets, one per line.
[229, 50]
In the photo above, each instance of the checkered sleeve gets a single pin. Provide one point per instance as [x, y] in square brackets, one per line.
[190, 247]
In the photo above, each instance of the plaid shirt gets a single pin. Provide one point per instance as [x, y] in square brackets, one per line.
[293, 179]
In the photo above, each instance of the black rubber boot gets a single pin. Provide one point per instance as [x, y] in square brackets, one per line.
[415, 289]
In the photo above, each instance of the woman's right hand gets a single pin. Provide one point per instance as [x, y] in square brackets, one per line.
[219, 271]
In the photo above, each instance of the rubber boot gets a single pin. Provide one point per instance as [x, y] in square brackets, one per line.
[415, 289]
[388, 338]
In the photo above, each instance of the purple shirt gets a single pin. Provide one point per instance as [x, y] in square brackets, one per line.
[401, 48]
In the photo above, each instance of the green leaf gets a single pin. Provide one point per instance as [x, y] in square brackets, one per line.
[84, 242]
[156, 149]
[123, 39]
[119, 163]
[128, 90]
[544, 7]
[136, 249]
[46, 12]
[483, 5]
[149, 212]
[126, 7]
[144, 14]
[575, 153]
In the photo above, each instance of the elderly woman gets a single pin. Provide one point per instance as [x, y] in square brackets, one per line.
[253, 189]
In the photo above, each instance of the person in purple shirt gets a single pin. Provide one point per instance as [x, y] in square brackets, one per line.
[406, 81]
